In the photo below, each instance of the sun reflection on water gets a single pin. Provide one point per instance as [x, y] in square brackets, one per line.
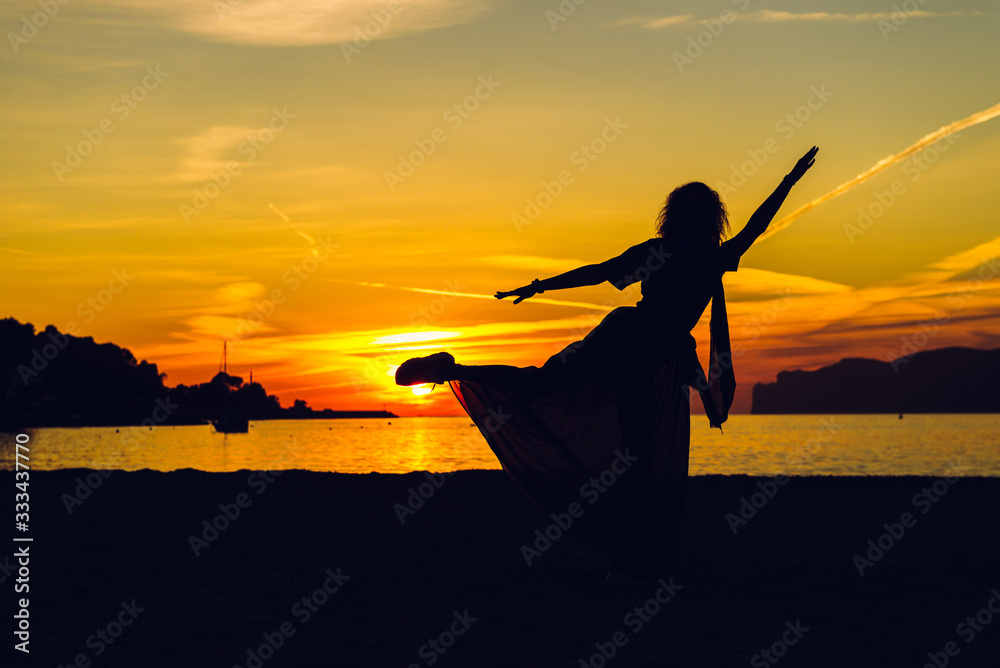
[752, 444]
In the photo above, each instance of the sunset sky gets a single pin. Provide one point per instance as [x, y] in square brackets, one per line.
[187, 165]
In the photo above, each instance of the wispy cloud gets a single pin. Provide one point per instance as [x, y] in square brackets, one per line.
[750, 284]
[210, 150]
[8, 249]
[661, 22]
[472, 295]
[304, 22]
[768, 16]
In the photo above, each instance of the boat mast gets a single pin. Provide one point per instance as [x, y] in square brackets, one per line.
[224, 367]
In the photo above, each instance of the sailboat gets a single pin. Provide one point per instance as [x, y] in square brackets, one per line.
[231, 421]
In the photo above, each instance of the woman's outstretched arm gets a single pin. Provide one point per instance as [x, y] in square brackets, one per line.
[765, 212]
[591, 274]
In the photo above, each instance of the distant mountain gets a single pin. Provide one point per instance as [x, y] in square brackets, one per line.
[945, 380]
[53, 379]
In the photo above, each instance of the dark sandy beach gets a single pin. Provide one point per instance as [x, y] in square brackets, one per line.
[318, 570]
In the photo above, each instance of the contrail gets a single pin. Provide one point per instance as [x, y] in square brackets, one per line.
[880, 166]
[312, 242]
[535, 300]
[885, 163]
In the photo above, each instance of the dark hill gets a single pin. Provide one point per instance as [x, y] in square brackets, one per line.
[945, 380]
[51, 379]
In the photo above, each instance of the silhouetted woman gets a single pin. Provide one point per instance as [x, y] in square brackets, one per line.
[597, 438]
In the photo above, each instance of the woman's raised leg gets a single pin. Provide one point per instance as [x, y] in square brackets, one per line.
[441, 368]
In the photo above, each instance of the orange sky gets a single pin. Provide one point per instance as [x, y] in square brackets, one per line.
[225, 158]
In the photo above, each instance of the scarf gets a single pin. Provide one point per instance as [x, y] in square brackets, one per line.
[718, 389]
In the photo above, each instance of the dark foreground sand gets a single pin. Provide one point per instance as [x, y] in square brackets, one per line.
[455, 566]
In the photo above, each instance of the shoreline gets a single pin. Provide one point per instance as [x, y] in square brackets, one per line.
[376, 415]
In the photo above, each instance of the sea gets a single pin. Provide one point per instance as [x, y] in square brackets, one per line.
[757, 445]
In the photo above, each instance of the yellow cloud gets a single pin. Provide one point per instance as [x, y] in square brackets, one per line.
[300, 22]
[209, 151]
[751, 283]
[770, 16]
[414, 337]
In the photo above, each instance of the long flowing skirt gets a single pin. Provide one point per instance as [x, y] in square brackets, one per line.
[621, 406]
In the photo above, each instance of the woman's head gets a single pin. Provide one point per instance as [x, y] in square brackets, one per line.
[693, 213]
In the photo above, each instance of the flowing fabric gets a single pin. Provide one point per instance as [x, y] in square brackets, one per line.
[718, 390]
[599, 435]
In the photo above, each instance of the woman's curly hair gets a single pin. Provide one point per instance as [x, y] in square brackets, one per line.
[697, 200]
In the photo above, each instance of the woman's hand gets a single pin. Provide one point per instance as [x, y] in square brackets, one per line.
[521, 293]
[803, 165]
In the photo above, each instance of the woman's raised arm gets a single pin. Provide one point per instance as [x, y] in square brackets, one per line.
[765, 212]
